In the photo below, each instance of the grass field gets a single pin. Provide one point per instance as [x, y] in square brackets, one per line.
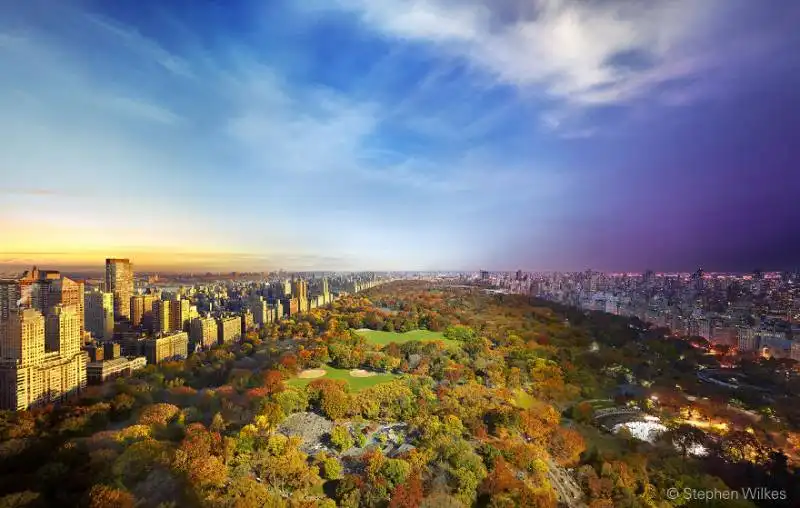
[355, 383]
[383, 338]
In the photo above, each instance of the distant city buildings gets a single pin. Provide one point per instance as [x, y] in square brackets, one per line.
[57, 334]
[757, 313]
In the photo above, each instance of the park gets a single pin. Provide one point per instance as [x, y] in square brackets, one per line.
[356, 379]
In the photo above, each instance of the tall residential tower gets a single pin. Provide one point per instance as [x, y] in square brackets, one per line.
[119, 282]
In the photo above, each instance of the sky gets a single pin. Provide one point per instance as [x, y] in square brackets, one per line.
[401, 134]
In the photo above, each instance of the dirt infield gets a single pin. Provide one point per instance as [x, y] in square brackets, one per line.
[361, 373]
[311, 373]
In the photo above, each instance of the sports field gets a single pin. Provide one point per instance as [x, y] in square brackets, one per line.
[357, 382]
[382, 338]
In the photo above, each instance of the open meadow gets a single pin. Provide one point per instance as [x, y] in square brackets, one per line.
[383, 338]
[361, 380]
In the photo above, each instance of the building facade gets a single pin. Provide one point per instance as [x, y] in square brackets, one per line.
[99, 372]
[32, 376]
[162, 320]
[119, 282]
[99, 314]
[166, 347]
[229, 329]
[179, 314]
[203, 332]
[142, 310]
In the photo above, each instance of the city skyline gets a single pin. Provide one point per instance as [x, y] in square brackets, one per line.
[441, 135]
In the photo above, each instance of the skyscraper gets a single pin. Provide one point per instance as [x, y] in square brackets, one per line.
[142, 310]
[179, 314]
[162, 321]
[62, 331]
[300, 294]
[40, 361]
[99, 314]
[326, 292]
[119, 282]
[67, 292]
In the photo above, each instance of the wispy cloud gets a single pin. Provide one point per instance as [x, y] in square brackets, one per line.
[143, 46]
[136, 108]
[566, 47]
[580, 54]
[32, 192]
[318, 130]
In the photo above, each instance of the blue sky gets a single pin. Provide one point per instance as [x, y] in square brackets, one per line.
[400, 134]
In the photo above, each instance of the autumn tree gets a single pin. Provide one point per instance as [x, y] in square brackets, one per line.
[341, 438]
[685, 437]
[103, 496]
[283, 465]
[408, 494]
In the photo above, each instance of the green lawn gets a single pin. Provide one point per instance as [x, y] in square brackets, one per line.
[383, 338]
[356, 383]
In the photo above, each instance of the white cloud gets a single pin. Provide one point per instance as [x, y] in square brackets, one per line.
[562, 47]
[317, 131]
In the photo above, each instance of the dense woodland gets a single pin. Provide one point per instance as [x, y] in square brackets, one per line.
[489, 420]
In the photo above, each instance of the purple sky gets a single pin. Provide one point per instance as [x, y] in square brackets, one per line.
[402, 134]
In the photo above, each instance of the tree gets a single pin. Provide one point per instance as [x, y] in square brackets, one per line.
[459, 332]
[217, 423]
[686, 437]
[158, 414]
[408, 494]
[22, 499]
[741, 446]
[331, 468]
[348, 492]
[196, 458]
[273, 381]
[566, 446]
[335, 404]
[341, 438]
[103, 496]
[583, 412]
[282, 464]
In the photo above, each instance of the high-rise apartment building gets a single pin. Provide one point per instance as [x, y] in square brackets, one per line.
[67, 292]
[62, 331]
[203, 332]
[40, 360]
[99, 314]
[142, 310]
[326, 292]
[166, 347]
[119, 282]
[300, 289]
[300, 294]
[162, 320]
[248, 322]
[259, 308]
[179, 314]
[229, 329]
